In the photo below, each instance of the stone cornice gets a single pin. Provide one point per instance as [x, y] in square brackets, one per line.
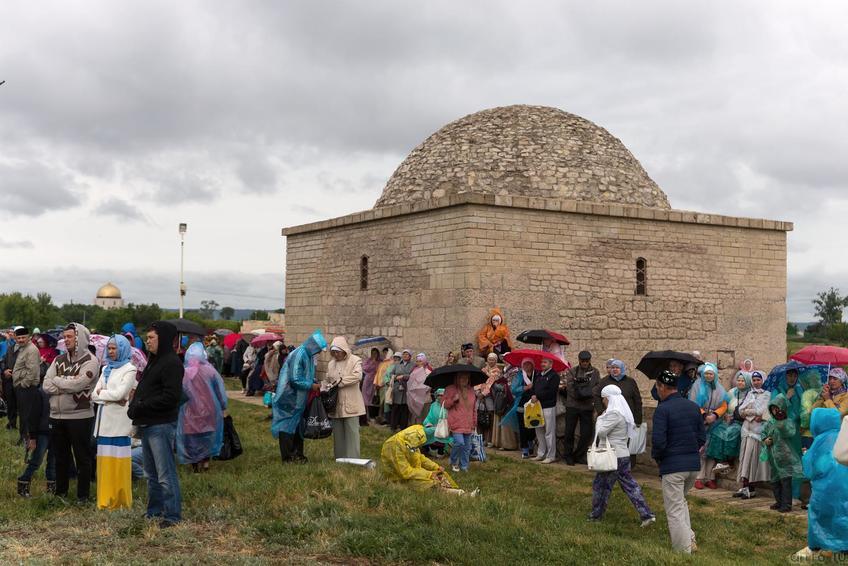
[551, 205]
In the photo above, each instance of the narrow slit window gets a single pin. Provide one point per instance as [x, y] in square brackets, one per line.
[363, 273]
[641, 276]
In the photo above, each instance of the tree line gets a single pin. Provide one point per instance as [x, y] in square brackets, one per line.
[829, 309]
[40, 312]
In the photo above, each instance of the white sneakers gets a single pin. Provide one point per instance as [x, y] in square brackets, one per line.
[454, 468]
[649, 521]
[548, 461]
[538, 457]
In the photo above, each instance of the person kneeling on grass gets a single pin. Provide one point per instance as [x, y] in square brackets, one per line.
[402, 461]
[617, 425]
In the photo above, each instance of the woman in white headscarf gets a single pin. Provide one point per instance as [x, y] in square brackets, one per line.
[616, 424]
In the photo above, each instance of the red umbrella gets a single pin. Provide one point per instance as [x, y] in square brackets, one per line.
[230, 340]
[515, 357]
[264, 338]
[821, 355]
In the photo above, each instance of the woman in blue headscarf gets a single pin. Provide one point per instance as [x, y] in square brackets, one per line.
[200, 428]
[113, 427]
[827, 523]
[711, 398]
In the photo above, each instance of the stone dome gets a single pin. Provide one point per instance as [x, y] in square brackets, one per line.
[108, 291]
[533, 151]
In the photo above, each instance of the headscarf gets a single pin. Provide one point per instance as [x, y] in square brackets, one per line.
[620, 365]
[195, 355]
[124, 354]
[746, 376]
[527, 380]
[706, 389]
[492, 357]
[616, 403]
[421, 357]
[840, 374]
[48, 352]
[762, 377]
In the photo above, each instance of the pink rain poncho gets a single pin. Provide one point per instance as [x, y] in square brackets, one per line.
[200, 429]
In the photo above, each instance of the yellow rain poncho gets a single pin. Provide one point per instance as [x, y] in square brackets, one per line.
[402, 461]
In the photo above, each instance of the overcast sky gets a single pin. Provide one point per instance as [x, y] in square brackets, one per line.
[119, 120]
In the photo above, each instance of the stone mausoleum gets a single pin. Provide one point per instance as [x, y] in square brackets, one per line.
[549, 217]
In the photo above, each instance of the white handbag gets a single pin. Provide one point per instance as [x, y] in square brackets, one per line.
[442, 427]
[602, 458]
[840, 448]
[639, 442]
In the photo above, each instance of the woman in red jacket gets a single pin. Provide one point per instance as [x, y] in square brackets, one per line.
[461, 402]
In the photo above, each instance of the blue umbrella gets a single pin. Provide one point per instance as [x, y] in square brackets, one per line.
[778, 374]
[371, 341]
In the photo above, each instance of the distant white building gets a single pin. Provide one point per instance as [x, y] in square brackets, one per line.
[109, 297]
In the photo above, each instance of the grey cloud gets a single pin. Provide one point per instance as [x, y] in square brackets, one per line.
[121, 209]
[19, 244]
[31, 189]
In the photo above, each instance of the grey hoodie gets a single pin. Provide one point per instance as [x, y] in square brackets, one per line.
[70, 379]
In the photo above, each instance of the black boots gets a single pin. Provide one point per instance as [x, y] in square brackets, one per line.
[23, 488]
[51, 487]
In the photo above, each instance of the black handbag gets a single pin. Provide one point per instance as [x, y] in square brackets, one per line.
[484, 417]
[316, 424]
[330, 398]
[231, 448]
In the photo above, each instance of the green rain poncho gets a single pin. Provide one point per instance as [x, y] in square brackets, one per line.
[811, 382]
[437, 411]
[784, 454]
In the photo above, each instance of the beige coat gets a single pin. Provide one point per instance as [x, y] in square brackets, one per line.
[348, 375]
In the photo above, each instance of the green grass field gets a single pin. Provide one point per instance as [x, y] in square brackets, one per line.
[254, 510]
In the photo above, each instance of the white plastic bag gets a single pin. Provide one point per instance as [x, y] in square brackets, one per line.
[639, 442]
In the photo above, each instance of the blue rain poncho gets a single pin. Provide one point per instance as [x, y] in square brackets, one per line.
[827, 523]
[510, 419]
[296, 378]
[200, 428]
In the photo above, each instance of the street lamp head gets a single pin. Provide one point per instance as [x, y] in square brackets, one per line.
[183, 227]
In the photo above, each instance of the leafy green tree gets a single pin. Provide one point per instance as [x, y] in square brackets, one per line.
[208, 308]
[791, 329]
[227, 313]
[259, 315]
[829, 306]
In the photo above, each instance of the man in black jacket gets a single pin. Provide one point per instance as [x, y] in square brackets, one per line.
[545, 391]
[154, 408]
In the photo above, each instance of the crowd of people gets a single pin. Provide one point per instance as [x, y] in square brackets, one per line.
[99, 417]
[82, 411]
[699, 427]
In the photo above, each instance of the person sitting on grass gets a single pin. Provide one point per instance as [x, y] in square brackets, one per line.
[401, 461]
[784, 459]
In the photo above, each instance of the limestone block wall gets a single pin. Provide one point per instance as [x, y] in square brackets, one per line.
[714, 284]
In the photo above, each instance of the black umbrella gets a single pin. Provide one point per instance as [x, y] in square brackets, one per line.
[539, 337]
[445, 375]
[186, 326]
[653, 364]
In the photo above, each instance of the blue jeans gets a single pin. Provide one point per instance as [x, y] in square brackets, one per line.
[461, 451]
[160, 467]
[42, 445]
[137, 462]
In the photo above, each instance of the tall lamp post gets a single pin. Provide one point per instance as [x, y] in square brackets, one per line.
[183, 227]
